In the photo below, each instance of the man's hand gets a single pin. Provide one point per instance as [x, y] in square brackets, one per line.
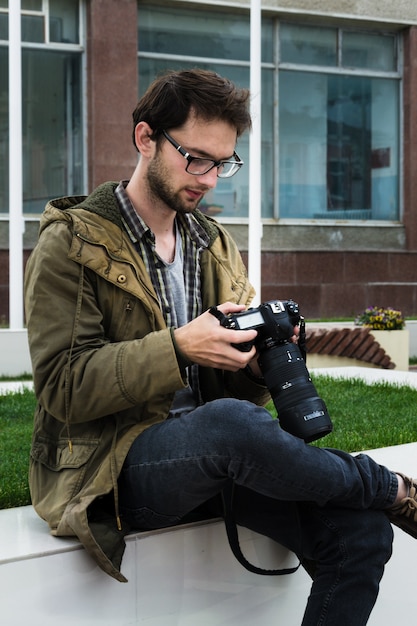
[206, 342]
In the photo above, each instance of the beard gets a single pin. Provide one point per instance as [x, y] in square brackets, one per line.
[159, 185]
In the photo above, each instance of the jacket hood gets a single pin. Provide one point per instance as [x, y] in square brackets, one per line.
[102, 202]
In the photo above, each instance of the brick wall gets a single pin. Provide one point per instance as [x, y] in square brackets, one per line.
[112, 72]
[341, 284]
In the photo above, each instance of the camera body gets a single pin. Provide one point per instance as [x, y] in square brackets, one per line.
[274, 321]
[301, 411]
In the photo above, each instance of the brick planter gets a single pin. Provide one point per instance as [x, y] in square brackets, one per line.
[396, 344]
[357, 345]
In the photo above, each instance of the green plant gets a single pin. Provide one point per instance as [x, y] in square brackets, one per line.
[379, 318]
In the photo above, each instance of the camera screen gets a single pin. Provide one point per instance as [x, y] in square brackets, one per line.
[249, 320]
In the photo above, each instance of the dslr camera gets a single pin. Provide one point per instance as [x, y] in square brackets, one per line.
[301, 411]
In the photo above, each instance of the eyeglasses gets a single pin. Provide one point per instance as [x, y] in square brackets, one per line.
[199, 166]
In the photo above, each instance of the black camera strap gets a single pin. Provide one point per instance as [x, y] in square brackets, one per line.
[219, 315]
[233, 537]
[228, 491]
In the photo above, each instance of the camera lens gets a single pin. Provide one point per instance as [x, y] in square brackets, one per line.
[301, 411]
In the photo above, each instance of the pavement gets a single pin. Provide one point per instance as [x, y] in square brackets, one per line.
[371, 375]
[13, 386]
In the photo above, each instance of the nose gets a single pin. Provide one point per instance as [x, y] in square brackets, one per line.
[209, 179]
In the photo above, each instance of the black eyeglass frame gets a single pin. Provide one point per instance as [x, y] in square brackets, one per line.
[237, 160]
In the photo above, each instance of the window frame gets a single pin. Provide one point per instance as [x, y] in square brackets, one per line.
[52, 46]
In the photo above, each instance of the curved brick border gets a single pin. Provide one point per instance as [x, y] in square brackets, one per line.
[354, 343]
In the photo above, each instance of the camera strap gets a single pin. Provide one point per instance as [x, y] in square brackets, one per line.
[233, 537]
[219, 315]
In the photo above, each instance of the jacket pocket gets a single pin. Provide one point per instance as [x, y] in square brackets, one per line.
[57, 456]
[57, 474]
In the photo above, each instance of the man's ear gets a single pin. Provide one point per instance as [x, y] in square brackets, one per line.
[143, 141]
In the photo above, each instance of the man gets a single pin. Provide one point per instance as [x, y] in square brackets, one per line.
[146, 410]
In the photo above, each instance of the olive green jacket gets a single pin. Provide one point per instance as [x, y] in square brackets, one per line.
[104, 363]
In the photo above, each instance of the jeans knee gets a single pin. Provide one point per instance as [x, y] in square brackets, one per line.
[382, 536]
[371, 538]
[235, 415]
[362, 537]
[246, 428]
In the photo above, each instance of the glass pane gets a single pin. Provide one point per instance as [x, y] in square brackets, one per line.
[373, 52]
[31, 5]
[33, 29]
[308, 45]
[63, 21]
[302, 146]
[4, 26]
[339, 147]
[349, 144]
[267, 43]
[198, 34]
[268, 162]
[230, 198]
[4, 4]
[52, 130]
[385, 149]
[192, 33]
[4, 130]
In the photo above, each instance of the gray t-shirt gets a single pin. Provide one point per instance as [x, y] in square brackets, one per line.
[184, 400]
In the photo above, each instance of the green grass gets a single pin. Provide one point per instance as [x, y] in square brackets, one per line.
[16, 419]
[26, 376]
[364, 417]
[369, 416]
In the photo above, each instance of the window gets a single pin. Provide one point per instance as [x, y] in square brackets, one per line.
[330, 121]
[339, 129]
[51, 103]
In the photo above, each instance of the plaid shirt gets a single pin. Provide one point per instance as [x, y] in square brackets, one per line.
[193, 239]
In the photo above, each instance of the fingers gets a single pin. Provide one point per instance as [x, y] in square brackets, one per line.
[231, 307]
[206, 342]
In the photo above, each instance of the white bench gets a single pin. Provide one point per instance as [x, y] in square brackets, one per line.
[184, 576]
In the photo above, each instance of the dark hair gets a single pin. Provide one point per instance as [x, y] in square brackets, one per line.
[171, 98]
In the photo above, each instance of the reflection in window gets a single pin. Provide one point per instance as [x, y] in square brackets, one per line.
[199, 34]
[338, 130]
[31, 5]
[52, 138]
[369, 51]
[339, 147]
[308, 45]
[33, 28]
[63, 21]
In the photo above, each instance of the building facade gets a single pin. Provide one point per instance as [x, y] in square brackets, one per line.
[338, 130]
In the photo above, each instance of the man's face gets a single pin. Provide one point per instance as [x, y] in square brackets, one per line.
[167, 178]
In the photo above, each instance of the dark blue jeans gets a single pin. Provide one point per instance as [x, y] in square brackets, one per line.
[324, 504]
